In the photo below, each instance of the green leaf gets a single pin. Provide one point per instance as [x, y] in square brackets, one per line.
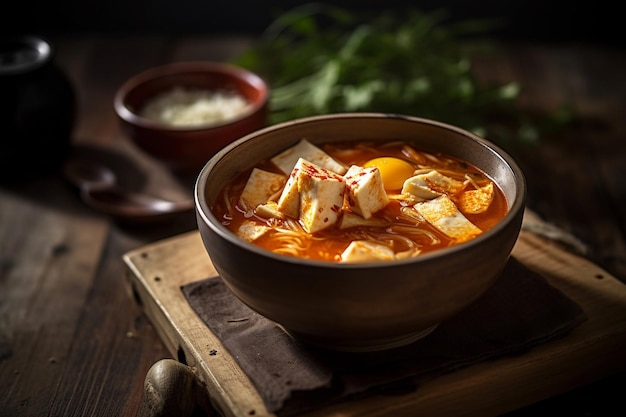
[323, 59]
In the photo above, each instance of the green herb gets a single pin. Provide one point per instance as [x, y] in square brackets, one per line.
[322, 59]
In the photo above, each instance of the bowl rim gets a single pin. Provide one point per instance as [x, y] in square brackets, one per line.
[204, 211]
[129, 116]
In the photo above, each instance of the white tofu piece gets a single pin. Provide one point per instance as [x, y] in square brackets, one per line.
[349, 220]
[269, 210]
[417, 187]
[251, 231]
[321, 197]
[431, 185]
[366, 251]
[286, 160]
[261, 186]
[365, 191]
[289, 200]
[478, 200]
[313, 195]
[443, 214]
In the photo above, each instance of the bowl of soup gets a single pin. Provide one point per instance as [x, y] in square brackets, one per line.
[182, 113]
[360, 231]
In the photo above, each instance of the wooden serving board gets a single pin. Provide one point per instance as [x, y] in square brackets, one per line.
[594, 350]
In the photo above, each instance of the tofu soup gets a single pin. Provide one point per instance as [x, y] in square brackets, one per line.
[359, 202]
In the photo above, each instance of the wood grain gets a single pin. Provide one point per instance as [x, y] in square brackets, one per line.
[592, 351]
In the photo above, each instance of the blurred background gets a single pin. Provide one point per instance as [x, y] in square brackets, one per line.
[559, 20]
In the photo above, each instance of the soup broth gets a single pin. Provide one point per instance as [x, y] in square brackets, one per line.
[431, 201]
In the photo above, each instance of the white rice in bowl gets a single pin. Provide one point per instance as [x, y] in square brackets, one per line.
[190, 107]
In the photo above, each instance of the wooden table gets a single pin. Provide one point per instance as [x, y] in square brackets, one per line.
[79, 344]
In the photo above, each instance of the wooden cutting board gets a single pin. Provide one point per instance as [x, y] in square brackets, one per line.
[594, 350]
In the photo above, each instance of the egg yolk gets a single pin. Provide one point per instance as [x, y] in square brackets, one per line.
[394, 171]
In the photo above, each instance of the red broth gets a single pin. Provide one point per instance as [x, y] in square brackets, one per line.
[402, 232]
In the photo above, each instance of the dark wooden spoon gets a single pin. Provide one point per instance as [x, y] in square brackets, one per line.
[99, 189]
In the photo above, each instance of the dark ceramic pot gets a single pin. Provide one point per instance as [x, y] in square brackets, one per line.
[37, 109]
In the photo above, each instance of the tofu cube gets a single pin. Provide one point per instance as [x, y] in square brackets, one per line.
[269, 210]
[286, 160]
[431, 185]
[443, 214]
[365, 251]
[365, 191]
[321, 197]
[417, 187]
[289, 200]
[476, 201]
[314, 195]
[259, 188]
[251, 231]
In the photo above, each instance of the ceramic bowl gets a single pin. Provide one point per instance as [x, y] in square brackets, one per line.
[186, 148]
[361, 306]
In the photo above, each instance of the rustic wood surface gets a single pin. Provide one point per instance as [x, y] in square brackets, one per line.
[73, 341]
[596, 346]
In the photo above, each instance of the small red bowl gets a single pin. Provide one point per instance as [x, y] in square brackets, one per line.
[186, 148]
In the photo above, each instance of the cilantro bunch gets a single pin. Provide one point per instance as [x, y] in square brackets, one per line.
[322, 59]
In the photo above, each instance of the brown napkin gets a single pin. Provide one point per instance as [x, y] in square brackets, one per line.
[521, 310]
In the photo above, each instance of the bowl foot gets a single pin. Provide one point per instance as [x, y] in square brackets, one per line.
[363, 345]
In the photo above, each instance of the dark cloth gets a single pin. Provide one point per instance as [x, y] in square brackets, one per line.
[520, 311]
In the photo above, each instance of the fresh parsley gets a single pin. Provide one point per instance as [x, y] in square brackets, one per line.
[321, 59]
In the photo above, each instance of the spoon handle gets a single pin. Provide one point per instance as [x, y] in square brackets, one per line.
[99, 190]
